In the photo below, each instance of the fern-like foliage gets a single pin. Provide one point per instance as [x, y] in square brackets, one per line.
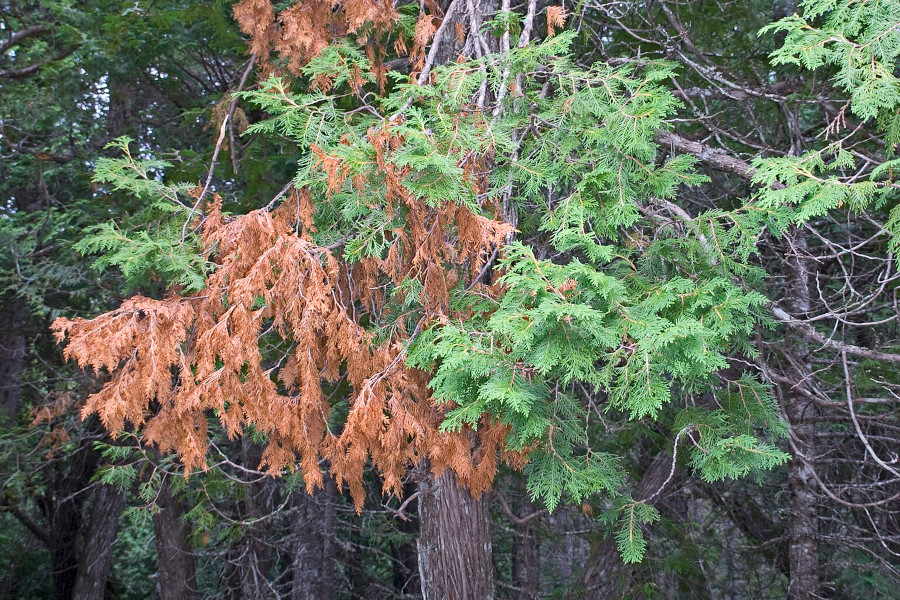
[858, 45]
[159, 240]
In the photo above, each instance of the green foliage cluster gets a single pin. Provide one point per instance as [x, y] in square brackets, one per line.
[616, 325]
[860, 43]
[168, 246]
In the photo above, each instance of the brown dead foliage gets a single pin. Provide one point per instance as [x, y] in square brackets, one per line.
[176, 362]
[556, 18]
[304, 29]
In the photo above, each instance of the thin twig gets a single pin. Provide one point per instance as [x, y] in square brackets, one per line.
[859, 431]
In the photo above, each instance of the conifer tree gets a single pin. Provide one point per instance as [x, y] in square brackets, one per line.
[463, 249]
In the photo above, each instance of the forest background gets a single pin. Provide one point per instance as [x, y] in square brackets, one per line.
[535, 300]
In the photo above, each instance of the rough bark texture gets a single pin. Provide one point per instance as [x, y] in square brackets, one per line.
[13, 319]
[455, 541]
[97, 552]
[175, 561]
[800, 411]
[64, 522]
[312, 569]
[454, 546]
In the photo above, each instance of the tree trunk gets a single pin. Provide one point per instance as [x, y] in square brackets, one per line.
[800, 411]
[454, 546]
[312, 569]
[14, 315]
[174, 560]
[454, 541]
[97, 552]
[63, 551]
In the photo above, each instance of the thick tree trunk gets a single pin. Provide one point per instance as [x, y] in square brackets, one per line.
[454, 546]
[174, 561]
[14, 315]
[454, 542]
[65, 521]
[312, 570]
[804, 552]
[97, 552]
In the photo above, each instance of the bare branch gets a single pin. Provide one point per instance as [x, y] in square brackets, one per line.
[808, 331]
[18, 37]
[714, 157]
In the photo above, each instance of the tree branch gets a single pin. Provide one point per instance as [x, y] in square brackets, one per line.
[18, 37]
[714, 157]
[32, 69]
[808, 331]
[28, 523]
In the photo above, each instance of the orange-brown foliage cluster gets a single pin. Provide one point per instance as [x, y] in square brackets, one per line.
[556, 18]
[302, 31]
[426, 26]
[176, 361]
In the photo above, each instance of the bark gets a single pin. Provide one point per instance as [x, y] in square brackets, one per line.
[14, 315]
[809, 332]
[175, 562]
[454, 546]
[800, 411]
[97, 553]
[454, 541]
[65, 522]
[312, 569]
[715, 158]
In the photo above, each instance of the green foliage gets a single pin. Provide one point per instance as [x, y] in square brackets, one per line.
[736, 457]
[168, 248]
[641, 315]
[629, 536]
[638, 313]
[134, 560]
[860, 39]
[24, 557]
[860, 44]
